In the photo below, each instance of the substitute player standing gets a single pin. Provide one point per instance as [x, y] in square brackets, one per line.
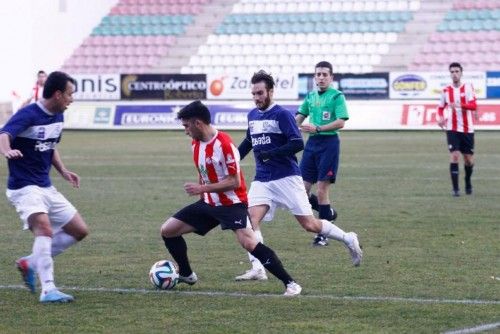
[275, 138]
[459, 100]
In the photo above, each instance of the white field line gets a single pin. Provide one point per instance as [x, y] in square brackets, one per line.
[476, 329]
[270, 295]
[378, 177]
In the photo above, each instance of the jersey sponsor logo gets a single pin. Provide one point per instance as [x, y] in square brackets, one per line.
[262, 140]
[208, 161]
[45, 146]
[203, 172]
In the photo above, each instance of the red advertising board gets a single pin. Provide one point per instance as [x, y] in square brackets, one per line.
[420, 114]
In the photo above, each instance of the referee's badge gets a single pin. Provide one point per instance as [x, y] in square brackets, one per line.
[326, 116]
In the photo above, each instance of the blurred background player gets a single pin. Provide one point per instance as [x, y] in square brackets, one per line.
[460, 101]
[37, 90]
[327, 112]
[223, 199]
[28, 141]
[275, 138]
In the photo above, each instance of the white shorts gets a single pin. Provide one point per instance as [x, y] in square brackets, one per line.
[286, 193]
[33, 199]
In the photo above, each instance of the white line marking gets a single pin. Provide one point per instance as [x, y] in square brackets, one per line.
[268, 295]
[477, 329]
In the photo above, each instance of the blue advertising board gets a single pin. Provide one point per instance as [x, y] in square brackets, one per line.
[492, 85]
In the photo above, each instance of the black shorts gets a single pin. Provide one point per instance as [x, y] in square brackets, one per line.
[459, 141]
[204, 217]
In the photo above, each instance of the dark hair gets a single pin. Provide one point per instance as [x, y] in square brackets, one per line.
[263, 76]
[324, 64]
[56, 81]
[197, 110]
[41, 72]
[455, 64]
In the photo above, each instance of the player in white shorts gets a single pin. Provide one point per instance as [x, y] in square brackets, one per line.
[28, 142]
[275, 138]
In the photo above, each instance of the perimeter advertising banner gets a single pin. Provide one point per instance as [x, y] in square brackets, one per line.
[96, 87]
[238, 86]
[163, 86]
[428, 85]
[354, 86]
[493, 85]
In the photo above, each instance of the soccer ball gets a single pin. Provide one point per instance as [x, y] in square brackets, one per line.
[164, 275]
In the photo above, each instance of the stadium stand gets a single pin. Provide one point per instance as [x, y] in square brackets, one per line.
[469, 32]
[205, 36]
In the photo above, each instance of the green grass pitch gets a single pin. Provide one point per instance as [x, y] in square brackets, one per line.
[432, 262]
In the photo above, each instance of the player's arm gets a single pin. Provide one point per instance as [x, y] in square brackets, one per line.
[229, 183]
[290, 148]
[246, 145]
[441, 120]
[6, 149]
[68, 175]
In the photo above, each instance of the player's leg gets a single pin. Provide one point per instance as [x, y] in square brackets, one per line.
[246, 238]
[194, 218]
[328, 162]
[453, 147]
[40, 225]
[467, 150]
[256, 214]
[260, 205]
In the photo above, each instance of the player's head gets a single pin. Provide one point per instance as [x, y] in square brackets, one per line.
[58, 90]
[41, 77]
[323, 75]
[455, 72]
[262, 89]
[194, 117]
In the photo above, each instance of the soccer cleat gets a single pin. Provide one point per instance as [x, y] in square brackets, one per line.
[292, 289]
[27, 272]
[55, 296]
[352, 243]
[253, 275]
[191, 279]
[320, 240]
[468, 191]
[334, 214]
[455, 193]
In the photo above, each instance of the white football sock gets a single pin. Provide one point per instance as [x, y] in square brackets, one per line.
[332, 231]
[61, 241]
[253, 260]
[44, 263]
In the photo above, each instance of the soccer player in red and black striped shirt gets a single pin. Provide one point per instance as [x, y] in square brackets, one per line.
[459, 100]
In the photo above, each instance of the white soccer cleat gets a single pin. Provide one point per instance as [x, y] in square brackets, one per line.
[253, 275]
[352, 243]
[292, 289]
[191, 279]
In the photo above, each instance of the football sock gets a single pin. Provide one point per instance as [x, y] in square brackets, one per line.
[61, 241]
[178, 249]
[454, 175]
[44, 263]
[256, 265]
[468, 174]
[271, 262]
[313, 200]
[325, 212]
[331, 231]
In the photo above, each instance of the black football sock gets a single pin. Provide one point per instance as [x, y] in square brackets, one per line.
[178, 249]
[454, 175]
[271, 262]
[313, 200]
[325, 212]
[468, 174]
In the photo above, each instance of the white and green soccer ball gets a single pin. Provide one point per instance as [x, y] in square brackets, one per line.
[163, 275]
